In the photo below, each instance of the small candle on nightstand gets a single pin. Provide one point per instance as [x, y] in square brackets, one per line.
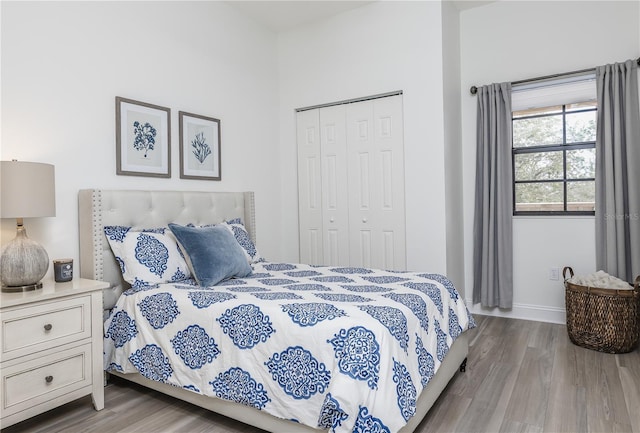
[63, 270]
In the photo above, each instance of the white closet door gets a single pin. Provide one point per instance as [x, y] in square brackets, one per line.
[335, 210]
[351, 184]
[375, 154]
[309, 187]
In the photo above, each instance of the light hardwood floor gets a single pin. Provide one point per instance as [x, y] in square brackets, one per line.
[522, 376]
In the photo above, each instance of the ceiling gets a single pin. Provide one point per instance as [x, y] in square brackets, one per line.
[286, 15]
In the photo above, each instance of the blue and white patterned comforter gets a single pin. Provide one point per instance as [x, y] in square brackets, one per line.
[342, 349]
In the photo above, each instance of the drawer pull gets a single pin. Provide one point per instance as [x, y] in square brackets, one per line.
[48, 327]
[48, 379]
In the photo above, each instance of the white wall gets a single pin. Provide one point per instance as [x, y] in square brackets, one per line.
[452, 144]
[377, 48]
[63, 64]
[509, 41]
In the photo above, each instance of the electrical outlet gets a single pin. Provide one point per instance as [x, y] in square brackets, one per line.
[554, 274]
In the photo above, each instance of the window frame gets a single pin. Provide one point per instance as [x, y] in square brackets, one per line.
[563, 147]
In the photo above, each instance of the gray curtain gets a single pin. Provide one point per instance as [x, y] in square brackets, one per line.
[618, 171]
[492, 226]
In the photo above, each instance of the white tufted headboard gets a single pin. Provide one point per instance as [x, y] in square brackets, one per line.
[147, 209]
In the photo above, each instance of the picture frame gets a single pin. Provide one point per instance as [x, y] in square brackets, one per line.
[200, 154]
[143, 139]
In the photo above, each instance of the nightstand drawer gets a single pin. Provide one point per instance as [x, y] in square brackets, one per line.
[26, 384]
[45, 325]
[50, 348]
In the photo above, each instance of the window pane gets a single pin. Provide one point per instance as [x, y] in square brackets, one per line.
[546, 196]
[538, 166]
[581, 127]
[581, 196]
[537, 131]
[581, 163]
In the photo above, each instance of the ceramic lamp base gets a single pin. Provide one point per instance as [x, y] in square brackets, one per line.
[21, 288]
[23, 262]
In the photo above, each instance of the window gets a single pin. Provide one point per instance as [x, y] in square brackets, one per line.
[554, 159]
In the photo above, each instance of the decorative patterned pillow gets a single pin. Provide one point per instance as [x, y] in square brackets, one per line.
[151, 256]
[212, 253]
[242, 236]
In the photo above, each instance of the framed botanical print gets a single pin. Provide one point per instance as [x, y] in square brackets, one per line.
[199, 147]
[143, 139]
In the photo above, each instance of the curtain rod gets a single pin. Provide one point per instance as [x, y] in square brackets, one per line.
[351, 101]
[473, 90]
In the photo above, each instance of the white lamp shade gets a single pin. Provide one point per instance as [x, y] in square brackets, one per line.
[27, 190]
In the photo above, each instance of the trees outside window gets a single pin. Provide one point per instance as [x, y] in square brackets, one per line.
[554, 160]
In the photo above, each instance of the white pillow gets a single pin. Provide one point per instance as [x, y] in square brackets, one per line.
[242, 236]
[150, 256]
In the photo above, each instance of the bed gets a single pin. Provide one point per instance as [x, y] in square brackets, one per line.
[289, 347]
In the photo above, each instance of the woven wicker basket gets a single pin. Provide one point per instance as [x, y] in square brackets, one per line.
[606, 320]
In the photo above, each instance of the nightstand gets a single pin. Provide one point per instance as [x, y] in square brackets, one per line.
[50, 348]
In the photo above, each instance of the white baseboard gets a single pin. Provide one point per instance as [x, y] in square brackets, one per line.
[538, 313]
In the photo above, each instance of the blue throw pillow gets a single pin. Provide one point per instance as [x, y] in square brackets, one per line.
[212, 253]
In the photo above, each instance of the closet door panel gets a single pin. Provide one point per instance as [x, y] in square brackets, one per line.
[363, 258]
[388, 250]
[309, 187]
[389, 144]
[388, 192]
[361, 178]
[359, 119]
[335, 211]
[313, 249]
[376, 183]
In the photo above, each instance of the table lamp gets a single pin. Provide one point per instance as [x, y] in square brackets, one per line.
[27, 190]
